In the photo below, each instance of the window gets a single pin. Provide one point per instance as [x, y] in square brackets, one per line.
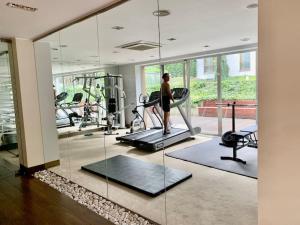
[210, 65]
[152, 78]
[245, 61]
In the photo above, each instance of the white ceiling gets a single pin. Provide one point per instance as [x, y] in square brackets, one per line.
[194, 24]
[50, 14]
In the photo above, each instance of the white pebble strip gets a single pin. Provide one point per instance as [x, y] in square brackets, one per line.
[100, 205]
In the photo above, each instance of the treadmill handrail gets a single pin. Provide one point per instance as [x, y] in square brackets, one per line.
[149, 104]
[182, 100]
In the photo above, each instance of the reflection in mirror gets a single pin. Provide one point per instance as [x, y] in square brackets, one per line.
[98, 78]
[9, 154]
[126, 42]
[197, 37]
[111, 112]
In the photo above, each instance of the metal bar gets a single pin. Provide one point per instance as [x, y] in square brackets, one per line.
[219, 95]
[233, 117]
[240, 105]
[186, 120]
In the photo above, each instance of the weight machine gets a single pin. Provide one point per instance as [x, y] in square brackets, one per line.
[109, 101]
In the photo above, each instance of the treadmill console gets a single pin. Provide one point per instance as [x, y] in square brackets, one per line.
[180, 93]
[154, 96]
[153, 99]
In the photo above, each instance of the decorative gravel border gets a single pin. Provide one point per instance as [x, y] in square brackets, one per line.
[100, 205]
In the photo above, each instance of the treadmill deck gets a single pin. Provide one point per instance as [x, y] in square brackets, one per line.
[154, 140]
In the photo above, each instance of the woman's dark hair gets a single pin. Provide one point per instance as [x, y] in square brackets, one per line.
[165, 75]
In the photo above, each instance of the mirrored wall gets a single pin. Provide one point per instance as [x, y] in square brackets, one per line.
[107, 76]
[8, 132]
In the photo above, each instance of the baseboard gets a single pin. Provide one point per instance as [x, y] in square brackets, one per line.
[52, 164]
[32, 170]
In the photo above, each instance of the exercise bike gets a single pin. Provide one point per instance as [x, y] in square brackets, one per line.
[138, 123]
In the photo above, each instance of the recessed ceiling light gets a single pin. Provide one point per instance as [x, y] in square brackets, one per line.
[245, 39]
[19, 6]
[206, 46]
[63, 46]
[171, 39]
[252, 6]
[118, 28]
[161, 13]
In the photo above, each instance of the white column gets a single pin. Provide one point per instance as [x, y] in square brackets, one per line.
[279, 113]
[35, 105]
[131, 82]
[46, 101]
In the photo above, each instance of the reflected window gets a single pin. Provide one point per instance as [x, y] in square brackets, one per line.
[152, 78]
[210, 65]
[245, 61]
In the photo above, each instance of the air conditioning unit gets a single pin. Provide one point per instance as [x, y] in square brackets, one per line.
[139, 45]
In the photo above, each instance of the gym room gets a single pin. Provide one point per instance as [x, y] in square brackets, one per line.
[149, 112]
[104, 74]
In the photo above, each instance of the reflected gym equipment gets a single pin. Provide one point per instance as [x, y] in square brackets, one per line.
[238, 139]
[153, 139]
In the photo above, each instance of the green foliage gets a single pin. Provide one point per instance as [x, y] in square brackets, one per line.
[175, 69]
[233, 88]
[152, 69]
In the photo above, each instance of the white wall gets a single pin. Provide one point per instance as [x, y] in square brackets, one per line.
[279, 113]
[46, 101]
[132, 87]
[233, 62]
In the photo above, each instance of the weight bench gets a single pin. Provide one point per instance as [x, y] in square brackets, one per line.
[246, 137]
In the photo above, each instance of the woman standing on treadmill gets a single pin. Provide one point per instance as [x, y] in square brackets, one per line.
[166, 96]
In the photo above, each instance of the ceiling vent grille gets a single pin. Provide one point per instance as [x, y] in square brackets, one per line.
[139, 45]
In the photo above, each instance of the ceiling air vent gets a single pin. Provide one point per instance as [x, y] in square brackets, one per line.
[139, 45]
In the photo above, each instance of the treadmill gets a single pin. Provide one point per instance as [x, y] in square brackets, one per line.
[153, 103]
[153, 139]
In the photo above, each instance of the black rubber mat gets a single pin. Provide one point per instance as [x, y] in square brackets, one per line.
[140, 175]
[208, 154]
